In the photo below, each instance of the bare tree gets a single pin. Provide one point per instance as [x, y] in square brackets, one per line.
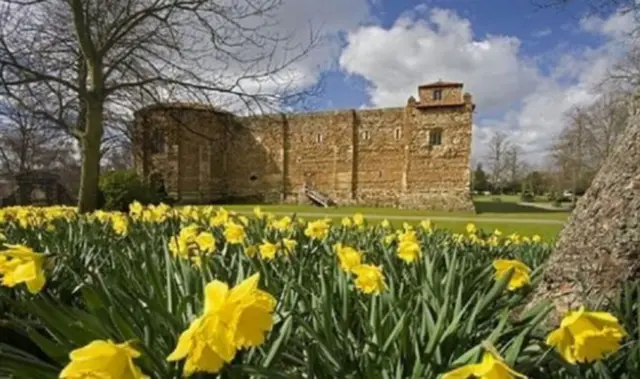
[588, 138]
[28, 143]
[515, 166]
[499, 146]
[86, 58]
[568, 150]
[605, 121]
[596, 7]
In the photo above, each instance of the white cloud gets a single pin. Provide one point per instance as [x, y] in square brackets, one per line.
[267, 42]
[616, 26]
[542, 33]
[417, 50]
[530, 105]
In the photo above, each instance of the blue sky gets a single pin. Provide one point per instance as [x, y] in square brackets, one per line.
[524, 66]
[540, 30]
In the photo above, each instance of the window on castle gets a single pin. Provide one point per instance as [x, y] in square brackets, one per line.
[396, 133]
[319, 138]
[437, 94]
[435, 137]
[366, 135]
[157, 142]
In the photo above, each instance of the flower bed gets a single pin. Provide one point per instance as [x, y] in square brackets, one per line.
[166, 292]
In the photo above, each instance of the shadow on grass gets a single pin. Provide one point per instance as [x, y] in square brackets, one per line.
[509, 207]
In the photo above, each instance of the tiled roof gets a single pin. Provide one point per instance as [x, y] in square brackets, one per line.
[440, 83]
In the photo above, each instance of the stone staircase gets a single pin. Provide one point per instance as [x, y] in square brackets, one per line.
[317, 197]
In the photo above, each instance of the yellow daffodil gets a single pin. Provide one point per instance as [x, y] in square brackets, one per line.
[388, 239]
[514, 238]
[251, 251]
[408, 236]
[426, 225]
[268, 250]
[181, 245]
[586, 336]
[385, 224]
[221, 218]
[135, 209]
[245, 309]
[178, 247]
[232, 319]
[348, 256]
[536, 239]
[103, 359]
[204, 345]
[289, 245]
[457, 237]
[234, 233]
[358, 219]
[492, 366]
[206, 242]
[318, 229]
[520, 275]
[120, 224]
[346, 222]
[20, 264]
[369, 278]
[282, 225]
[409, 251]
[471, 228]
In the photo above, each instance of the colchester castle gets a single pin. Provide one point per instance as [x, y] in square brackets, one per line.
[416, 156]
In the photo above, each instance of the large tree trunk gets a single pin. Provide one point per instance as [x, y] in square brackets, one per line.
[599, 248]
[90, 169]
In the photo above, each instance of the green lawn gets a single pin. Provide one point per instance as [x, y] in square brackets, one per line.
[506, 215]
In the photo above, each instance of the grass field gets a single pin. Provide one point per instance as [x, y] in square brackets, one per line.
[507, 215]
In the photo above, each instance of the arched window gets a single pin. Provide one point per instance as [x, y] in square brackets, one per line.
[396, 133]
[435, 137]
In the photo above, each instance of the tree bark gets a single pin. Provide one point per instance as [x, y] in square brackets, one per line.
[599, 247]
[90, 169]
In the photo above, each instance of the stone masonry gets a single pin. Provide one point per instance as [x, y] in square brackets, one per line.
[416, 156]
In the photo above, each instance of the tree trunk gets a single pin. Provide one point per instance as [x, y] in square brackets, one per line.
[599, 247]
[90, 148]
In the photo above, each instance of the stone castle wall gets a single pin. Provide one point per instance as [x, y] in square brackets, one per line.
[380, 157]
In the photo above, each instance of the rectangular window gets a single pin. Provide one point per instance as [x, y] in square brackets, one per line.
[396, 133]
[437, 94]
[435, 137]
[157, 141]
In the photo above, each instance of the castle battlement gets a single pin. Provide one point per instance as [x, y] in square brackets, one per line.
[416, 156]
